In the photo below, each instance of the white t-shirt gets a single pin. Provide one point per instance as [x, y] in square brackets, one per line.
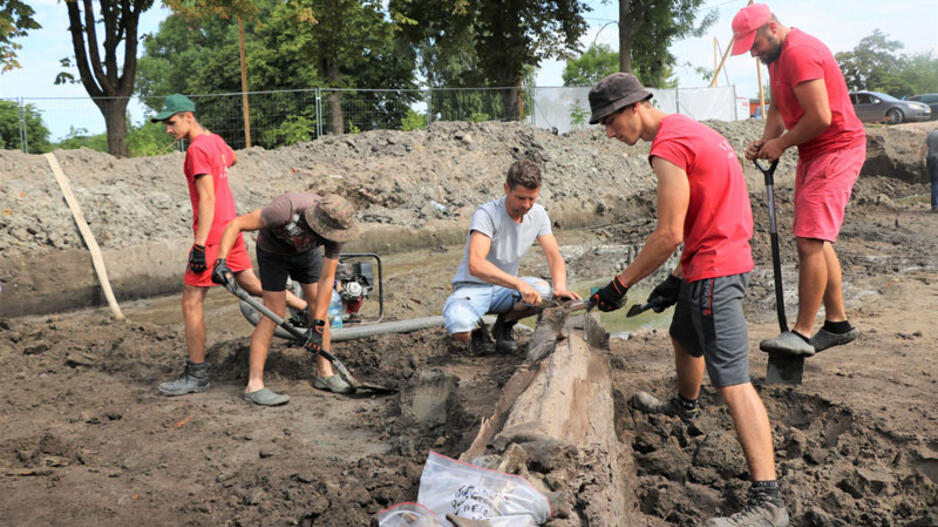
[510, 240]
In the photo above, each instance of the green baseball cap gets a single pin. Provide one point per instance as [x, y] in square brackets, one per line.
[172, 105]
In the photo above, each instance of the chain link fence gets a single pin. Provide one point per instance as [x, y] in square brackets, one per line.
[284, 117]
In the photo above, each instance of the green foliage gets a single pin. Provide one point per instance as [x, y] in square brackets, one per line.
[347, 44]
[37, 135]
[16, 19]
[579, 115]
[650, 27]
[352, 129]
[413, 121]
[874, 64]
[486, 37]
[148, 139]
[478, 117]
[590, 67]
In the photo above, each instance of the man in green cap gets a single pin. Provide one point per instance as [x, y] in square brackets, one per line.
[206, 168]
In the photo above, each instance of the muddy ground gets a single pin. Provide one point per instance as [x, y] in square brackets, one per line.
[86, 440]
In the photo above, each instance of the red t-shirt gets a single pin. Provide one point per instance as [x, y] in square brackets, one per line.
[210, 155]
[806, 58]
[718, 224]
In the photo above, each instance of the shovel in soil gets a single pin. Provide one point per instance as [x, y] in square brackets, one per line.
[782, 368]
[300, 336]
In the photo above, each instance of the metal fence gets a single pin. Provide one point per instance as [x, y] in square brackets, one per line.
[278, 118]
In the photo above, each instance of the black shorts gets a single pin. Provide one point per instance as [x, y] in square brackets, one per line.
[708, 321]
[274, 268]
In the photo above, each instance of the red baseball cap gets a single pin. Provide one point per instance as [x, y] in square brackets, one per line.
[745, 24]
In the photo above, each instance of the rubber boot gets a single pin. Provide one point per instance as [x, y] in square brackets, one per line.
[504, 339]
[194, 379]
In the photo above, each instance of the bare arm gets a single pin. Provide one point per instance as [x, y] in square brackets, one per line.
[324, 290]
[558, 268]
[673, 197]
[251, 221]
[812, 96]
[923, 150]
[481, 268]
[206, 189]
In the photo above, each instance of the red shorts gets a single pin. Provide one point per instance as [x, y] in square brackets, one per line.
[238, 260]
[822, 190]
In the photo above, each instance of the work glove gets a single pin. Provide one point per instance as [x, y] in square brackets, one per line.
[314, 335]
[197, 258]
[222, 275]
[664, 295]
[609, 298]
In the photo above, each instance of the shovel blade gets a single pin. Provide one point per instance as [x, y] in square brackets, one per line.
[784, 369]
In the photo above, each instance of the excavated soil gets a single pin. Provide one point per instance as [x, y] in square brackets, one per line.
[86, 440]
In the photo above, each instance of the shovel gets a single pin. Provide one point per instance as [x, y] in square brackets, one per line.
[782, 368]
[638, 309]
[300, 337]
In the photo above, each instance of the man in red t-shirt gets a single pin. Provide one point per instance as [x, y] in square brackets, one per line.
[702, 202]
[811, 109]
[208, 159]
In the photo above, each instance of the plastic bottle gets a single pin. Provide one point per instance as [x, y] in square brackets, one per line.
[335, 310]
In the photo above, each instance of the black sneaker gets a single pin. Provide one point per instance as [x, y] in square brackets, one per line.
[194, 379]
[481, 342]
[504, 339]
[760, 511]
[649, 404]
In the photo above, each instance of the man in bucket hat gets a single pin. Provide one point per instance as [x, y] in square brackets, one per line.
[810, 109]
[704, 204]
[292, 228]
[208, 159]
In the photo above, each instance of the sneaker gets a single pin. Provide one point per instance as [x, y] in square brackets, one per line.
[481, 342]
[504, 339]
[788, 343]
[824, 339]
[761, 511]
[649, 404]
[334, 383]
[194, 379]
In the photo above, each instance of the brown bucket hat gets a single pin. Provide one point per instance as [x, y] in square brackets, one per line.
[333, 218]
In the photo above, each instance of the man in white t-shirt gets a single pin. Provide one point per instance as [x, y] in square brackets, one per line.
[487, 281]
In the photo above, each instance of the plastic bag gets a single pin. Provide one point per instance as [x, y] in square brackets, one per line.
[410, 515]
[505, 500]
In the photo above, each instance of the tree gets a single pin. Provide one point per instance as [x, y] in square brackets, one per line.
[16, 19]
[12, 116]
[874, 65]
[283, 45]
[109, 84]
[590, 67]
[921, 72]
[507, 35]
[646, 30]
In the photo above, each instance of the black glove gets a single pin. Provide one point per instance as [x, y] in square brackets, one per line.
[611, 297]
[664, 295]
[314, 335]
[221, 273]
[197, 258]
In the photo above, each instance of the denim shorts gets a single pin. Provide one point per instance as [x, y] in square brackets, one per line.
[469, 302]
[708, 321]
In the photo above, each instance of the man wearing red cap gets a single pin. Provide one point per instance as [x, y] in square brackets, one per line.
[810, 109]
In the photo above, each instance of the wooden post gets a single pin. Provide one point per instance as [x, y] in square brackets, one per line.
[716, 54]
[86, 235]
[244, 86]
[761, 89]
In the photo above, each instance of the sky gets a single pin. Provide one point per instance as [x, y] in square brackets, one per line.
[838, 23]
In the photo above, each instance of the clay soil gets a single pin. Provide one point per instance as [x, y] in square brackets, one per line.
[86, 440]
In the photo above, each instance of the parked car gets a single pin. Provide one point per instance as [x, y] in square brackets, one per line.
[931, 99]
[873, 107]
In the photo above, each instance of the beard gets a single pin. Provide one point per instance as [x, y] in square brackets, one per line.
[773, 53]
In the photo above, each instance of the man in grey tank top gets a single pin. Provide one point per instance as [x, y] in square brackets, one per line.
[487, 281]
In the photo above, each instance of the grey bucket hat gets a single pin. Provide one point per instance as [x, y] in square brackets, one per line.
[614, 92]
[333, 218]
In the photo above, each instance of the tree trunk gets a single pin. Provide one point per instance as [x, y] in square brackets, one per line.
[626, 31]
[115, 119]
[334, 100]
